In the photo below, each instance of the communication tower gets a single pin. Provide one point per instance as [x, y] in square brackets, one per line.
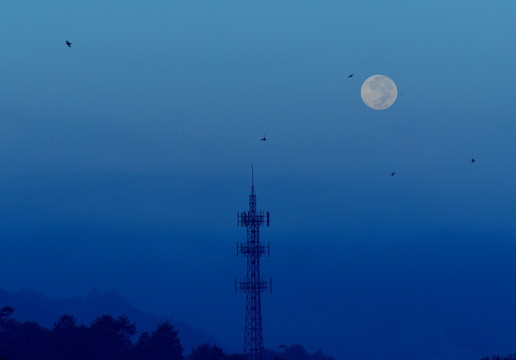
[253, 285]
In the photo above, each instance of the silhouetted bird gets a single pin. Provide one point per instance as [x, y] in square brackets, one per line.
[350, 75]
[472, 161]
[69, 44]
[393, 173]
[263, 138]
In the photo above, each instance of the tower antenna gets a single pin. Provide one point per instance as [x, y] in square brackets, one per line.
[253, 285]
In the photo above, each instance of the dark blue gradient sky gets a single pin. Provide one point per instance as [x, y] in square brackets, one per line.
[126, 157]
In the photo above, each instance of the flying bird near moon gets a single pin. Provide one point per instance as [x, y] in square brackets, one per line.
[379, 92]
[350, 75]
[263, 138]
[69, 44]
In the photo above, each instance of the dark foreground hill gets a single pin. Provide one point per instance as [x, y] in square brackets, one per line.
[30, 305]
[107, 337]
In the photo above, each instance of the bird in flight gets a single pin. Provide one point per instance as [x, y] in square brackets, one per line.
[69, 44]
[351, 75]
[472, 160]
[263, 138]
[393, 173]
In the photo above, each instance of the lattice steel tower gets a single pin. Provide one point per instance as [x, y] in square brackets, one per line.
[253, 285]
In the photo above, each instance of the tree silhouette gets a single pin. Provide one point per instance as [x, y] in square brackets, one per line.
[126, 329]
[235, 357]
[26, 340]
[162, 344]
[69, 339]
[65, 323]
[207, 352]
[5, 317]
[298, 352]
[111, 338]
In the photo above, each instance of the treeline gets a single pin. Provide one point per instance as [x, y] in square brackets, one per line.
[109, 338]
[106, 338]
[498, 357]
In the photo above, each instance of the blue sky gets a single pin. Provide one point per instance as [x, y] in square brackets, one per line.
[126, 157]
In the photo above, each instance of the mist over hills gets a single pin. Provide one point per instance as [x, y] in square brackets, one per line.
[31, 305]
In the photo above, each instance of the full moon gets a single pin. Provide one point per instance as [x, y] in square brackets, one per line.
[379, 92]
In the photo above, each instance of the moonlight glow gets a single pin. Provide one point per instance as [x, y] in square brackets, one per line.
[379, 92]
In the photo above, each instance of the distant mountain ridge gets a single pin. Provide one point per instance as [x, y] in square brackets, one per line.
[31, 305]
